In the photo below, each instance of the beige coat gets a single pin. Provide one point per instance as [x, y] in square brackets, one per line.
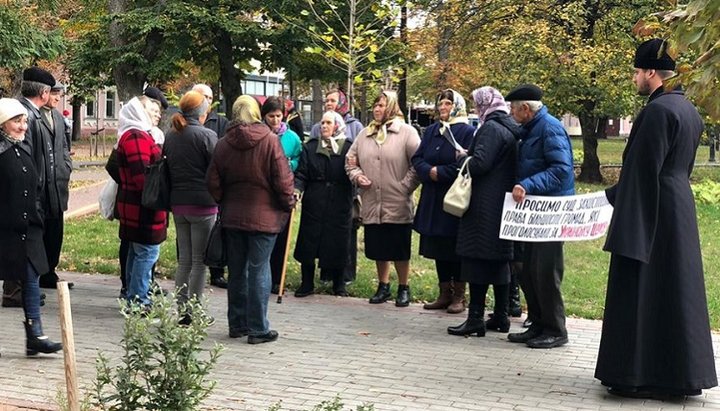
[389, 199]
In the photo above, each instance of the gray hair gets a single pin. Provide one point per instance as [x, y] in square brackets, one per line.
[32, 89]
[533, 105]
[197, 111]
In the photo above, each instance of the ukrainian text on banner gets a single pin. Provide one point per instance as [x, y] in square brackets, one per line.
[567, 218]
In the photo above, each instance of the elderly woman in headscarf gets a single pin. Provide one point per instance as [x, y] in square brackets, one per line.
[326, 192]
[336, 100]
[143, 227]
[22, 252]
[379, 162]
[189, 148]
[485, 258]
[250, 177]
[436, 165]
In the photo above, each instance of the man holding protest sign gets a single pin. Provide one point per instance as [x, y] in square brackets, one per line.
[544, 168]
[656, 339]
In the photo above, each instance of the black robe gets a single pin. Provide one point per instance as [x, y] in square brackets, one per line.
[656, 330]
[325, 220]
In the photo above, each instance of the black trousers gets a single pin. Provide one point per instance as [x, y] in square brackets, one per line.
[543, 268]
[53, 239]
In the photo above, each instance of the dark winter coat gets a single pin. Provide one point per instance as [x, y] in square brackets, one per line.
[436, 151]
[545, 157]
[188, 155]
[216, 123]
[21, 225]
[250, 178]
[656, 327]
[325, 222]
[51, 156]
[493, 170]
[137, 150]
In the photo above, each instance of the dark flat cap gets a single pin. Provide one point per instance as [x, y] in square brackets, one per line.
[155, 94]
[525, 92]
[38, 75]
[652, 54]
[57, 86]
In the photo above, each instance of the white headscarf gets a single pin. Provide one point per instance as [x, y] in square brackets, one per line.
[338, 133]
[133, 116]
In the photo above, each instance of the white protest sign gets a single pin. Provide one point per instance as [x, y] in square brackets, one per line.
[567, 218]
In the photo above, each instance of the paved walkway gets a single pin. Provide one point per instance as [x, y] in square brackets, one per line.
[397, 359]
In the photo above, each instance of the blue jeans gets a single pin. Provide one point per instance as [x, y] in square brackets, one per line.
[31, 293]
[248, 280]
[141, 258]
[192, 238]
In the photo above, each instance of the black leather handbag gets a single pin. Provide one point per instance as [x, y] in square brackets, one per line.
[215, 254]
[156, 192]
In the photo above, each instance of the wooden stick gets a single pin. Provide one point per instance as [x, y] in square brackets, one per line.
[68, 341]
[285, 258]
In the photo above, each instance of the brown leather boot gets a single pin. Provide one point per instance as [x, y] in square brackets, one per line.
[443, 300]
[458, 299]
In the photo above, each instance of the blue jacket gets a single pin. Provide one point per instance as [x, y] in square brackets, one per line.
[436, 151]
[545, 162]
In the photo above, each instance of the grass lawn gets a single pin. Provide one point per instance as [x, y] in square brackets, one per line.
[91, 246]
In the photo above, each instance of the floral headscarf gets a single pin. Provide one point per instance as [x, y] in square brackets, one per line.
[342, 106]
[458, 113]
[335, 142]
[378, 129]
[488, 100]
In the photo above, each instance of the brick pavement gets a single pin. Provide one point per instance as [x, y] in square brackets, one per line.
[398, 359]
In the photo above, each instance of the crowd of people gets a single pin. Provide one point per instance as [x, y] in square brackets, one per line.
[251, 172]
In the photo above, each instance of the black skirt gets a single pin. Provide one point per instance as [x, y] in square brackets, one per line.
[479, 271]
[438, 247]
[388, 242]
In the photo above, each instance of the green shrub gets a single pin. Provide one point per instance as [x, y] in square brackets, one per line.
[707, 192]
[161, 368]
[329, 405]
[578, 155]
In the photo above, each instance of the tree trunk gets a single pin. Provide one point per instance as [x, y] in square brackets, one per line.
[129, 79]
[317, 100]
[76, 104]
[229, 75]
[443, 50]
[402, 88]
[592, 128]
[363, 105]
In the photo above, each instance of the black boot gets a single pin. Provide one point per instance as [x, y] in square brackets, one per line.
[403, 296]
[499, 320]
[339, 283]
[514, 309]
[307, 286]
[382, 294]
[36, 341]
[475, 324]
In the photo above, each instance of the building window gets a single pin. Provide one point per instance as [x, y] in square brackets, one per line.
[109, 104]
[255, 88]
[90, 108]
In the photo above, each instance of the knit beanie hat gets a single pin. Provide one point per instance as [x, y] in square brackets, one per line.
[10, 108]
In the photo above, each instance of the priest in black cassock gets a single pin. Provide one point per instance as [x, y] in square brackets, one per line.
[656, 339]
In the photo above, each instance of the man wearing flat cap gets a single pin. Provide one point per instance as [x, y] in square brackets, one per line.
[656, 339]
[54, 126]
[545, 168]
[52, 160]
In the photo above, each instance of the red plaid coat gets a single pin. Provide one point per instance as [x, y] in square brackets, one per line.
[136, 150]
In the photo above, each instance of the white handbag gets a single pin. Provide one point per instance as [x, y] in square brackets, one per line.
[457, 199]
[106, 200]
